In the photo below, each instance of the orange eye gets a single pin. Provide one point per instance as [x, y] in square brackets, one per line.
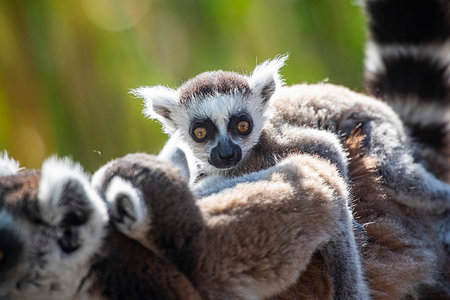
[243, 126]
[200, 133]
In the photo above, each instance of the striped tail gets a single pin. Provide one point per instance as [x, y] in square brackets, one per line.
[408, 66]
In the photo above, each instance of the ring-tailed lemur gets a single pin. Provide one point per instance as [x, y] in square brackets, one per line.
[51, 224]
[56, 242]
[408, 66]
[219, 120]
[249, 241]
[66, 250]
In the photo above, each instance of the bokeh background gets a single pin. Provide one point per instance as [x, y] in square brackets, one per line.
[66, 67]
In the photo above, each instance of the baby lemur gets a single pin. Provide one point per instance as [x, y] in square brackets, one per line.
[229, 137]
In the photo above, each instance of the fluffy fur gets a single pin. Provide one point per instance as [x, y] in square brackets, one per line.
[303, 197]
[407, 65]
[337, 109]
[52, 222]
[8, 166]
[215, 99]
[56, 243]
[321, 106]
[215, 96]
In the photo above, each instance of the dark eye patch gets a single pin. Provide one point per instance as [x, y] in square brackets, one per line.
[235, 119]
[211, 129]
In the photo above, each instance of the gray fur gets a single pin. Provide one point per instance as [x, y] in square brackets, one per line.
[268, 144]
[56, 222]
[338, 111]
[232, 262]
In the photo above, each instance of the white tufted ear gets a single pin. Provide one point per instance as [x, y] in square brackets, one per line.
[68, 203]
[159, 104]
[64, 188]
[129, 212]
[8, 166]
[266, 78]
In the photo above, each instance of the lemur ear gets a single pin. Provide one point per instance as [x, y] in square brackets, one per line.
[159, 104]
[64, 190]
[8, 166]
[67, 201]
[266, 78]
[129, 213]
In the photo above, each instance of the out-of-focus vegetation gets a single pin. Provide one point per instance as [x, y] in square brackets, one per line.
[66, 67]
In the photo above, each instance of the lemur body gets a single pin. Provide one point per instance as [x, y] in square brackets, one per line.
[236, 253]
[221, 121]
[75, 254]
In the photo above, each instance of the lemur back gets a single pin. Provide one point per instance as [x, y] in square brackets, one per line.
[238, 254]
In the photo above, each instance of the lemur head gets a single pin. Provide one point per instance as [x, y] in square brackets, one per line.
[150, 202]
[51, 224]
[219, 115]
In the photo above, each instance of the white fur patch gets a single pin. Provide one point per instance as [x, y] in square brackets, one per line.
[66, 269]
[267, 71]
[158, 101]
[374, 53]
[137, 228]
[55, 174]
[8, 165]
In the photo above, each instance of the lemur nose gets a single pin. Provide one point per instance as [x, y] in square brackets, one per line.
[226, 153]
[10, 244]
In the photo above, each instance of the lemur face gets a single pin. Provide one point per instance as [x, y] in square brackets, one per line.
[217, 116]
[222, 128]
[51, 223]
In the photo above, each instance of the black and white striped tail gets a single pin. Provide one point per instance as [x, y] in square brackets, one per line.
[408, 65]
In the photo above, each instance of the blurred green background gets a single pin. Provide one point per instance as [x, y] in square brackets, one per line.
[66, 67]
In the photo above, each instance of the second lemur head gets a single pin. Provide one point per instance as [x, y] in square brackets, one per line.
[217, 116]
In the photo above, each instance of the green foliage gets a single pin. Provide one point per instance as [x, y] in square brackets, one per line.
[66, 67]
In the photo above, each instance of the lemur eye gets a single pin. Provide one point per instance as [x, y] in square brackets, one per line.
[200, 133]
[243, 126]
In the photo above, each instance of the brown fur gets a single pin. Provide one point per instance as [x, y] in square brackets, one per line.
[126, 270]
[210, 83]
[122, 268]
[239, 253]
[400, 249]
[314, 283]
[403, 248]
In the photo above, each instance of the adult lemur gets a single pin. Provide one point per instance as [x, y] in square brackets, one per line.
[56, 243]
[227, 131]
[219, 120]
[219, 144]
